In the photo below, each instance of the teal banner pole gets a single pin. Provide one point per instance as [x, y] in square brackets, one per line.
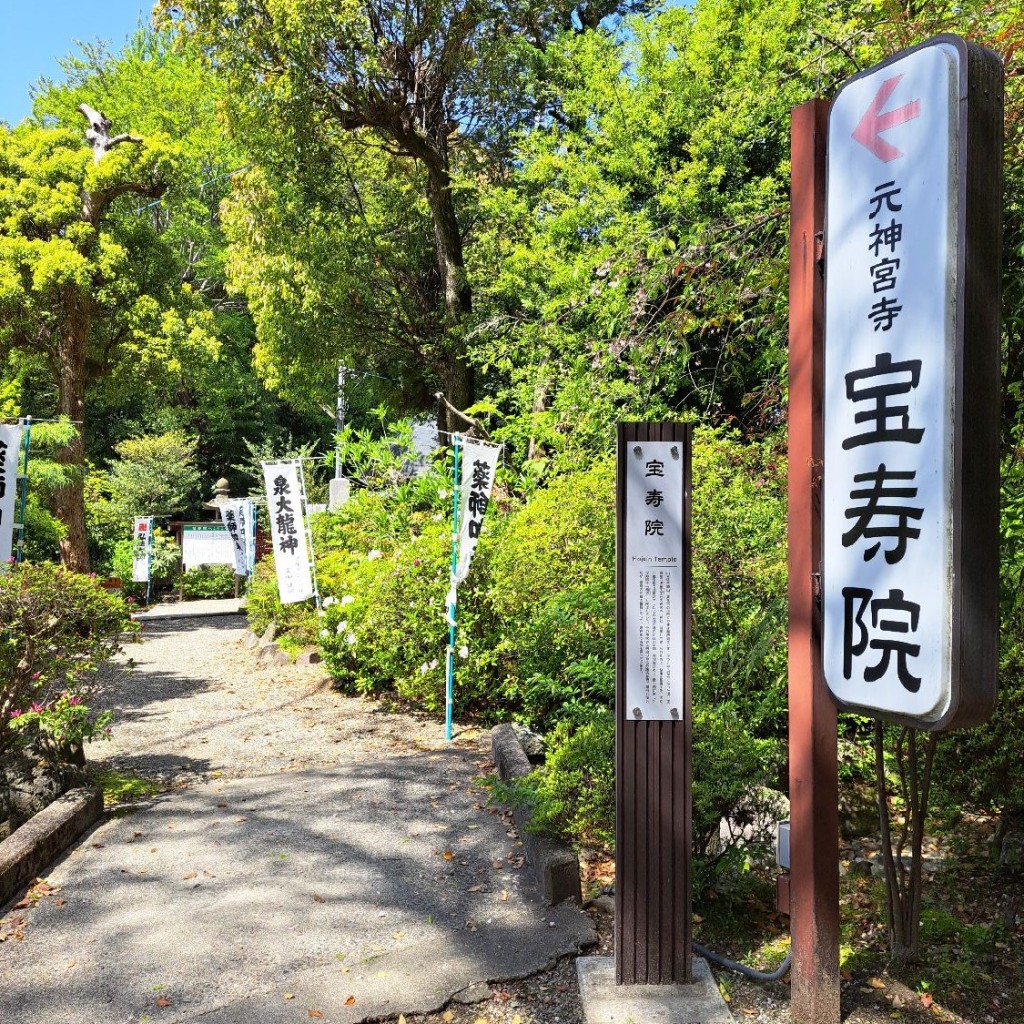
[450, 674]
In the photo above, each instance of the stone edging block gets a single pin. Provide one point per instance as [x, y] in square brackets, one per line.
[554, 863]
[30, 849]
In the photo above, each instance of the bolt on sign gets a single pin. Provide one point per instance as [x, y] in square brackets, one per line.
[911, 394]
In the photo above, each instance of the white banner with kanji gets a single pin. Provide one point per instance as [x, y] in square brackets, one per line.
[233, 516]
[142, 549]
[10, 447]
[477, 478]
[287, 531]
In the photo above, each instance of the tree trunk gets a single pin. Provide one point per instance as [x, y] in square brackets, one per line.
[69, 500]
[458, 297]
[903, 885]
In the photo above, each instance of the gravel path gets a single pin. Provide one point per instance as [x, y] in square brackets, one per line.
[311, 856]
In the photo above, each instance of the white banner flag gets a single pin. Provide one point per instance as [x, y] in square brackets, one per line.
[291, 557]
[478, 465]
[233, 515]
[142, 550]
[10, 447]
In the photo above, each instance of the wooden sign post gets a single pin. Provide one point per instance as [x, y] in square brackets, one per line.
[653, 719]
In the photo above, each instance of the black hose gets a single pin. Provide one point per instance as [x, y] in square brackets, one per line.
[748, 972]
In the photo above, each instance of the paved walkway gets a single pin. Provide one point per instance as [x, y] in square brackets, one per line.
[313, 858]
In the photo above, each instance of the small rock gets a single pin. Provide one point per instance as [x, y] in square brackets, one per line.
[310, 656]
[531, 742]
[474, 994]
[269, 634]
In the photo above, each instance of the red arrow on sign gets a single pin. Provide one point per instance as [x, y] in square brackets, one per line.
[868, 129]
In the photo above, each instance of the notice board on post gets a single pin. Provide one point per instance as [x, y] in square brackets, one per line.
[910, 557]
[653, 719]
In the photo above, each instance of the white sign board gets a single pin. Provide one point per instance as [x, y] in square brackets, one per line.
[287, 530]
[142, 549]
[205, 544]
[891, 341]
[654, 584]
[10, 448]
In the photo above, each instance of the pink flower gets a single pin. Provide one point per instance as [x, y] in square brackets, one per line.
[73, 702]
[16, 713]
[35, 676]
[37, 707]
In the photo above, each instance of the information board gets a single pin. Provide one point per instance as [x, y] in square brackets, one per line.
[909, 528]
[206, 544]
[654, 579]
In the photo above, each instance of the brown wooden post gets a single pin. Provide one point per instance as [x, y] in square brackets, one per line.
[653, 926]
[813, 770]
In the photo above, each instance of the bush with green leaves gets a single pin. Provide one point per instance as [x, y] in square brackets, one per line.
[208, 583]
[573, 794]
[58, 627]
[154, 474]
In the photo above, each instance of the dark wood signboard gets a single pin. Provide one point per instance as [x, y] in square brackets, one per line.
[653, 719]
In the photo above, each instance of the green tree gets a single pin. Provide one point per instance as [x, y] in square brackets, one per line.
[436, 87]
[86, 282]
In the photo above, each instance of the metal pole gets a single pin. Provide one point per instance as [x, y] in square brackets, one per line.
[813, 775]
[449, 700]
[19, 553]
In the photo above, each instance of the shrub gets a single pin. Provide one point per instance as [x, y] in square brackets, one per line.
[208, 583]
[163, 570]
[573, 794]
[58, 627]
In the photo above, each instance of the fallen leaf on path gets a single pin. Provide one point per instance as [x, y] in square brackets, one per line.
[351, 1001]
[447, 1016]
[318, 1014]
[289, 995]
[448, 855]
[318, 898]
[876, 983]
[471, 926]
[497, 864]
[60, 903]
[927, 1000]
[72, 963]
[474, 888]
[163, 1001]
[98, 846]
[505, 895]
[401, 1018]
[189, 876]
[398, 935]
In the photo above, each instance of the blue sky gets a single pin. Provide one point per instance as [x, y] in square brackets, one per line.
[34, 33]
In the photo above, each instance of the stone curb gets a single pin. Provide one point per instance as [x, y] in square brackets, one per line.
[28, 850]
[554, 863]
